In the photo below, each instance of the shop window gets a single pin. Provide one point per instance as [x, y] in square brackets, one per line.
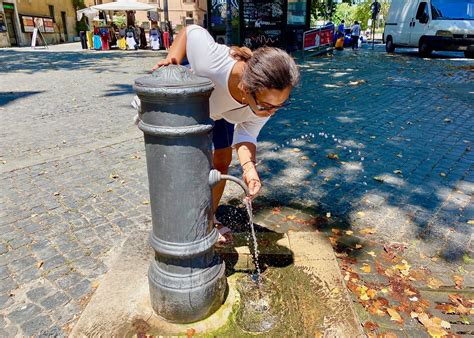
[51, 12]
[296, 12]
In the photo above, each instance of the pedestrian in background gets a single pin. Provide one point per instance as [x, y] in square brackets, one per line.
[355, 34]
[341, 29]
[166, 39]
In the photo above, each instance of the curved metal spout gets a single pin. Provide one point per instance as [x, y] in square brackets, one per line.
[215, 177]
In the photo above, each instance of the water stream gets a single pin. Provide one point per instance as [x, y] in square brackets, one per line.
[257, 275]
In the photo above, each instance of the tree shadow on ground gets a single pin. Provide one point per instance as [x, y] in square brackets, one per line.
[119, 89]
[435, 55]
[8, 97]
[387, 173]
[40, 61]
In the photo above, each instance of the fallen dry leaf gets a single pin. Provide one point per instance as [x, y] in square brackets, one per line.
[358, 246]
[470, 222]
[371, 253]
[368, 231]
[360, 214]
[296, 150]
[333, 156]
[190, 332]
[276, 210]
[446, 308]
[349, 232]
[371, 326]
[432, 325]
[434, 283]
[39, 264]
[366, 268]
[394, 315]
[371, 293]
[458, 280]
[304, 158]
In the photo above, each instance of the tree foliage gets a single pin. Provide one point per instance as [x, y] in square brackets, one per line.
[344, 12]
[78, 4]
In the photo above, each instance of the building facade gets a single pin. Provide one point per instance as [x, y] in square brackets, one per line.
[55, 20]
[180, 12]
[256, 23]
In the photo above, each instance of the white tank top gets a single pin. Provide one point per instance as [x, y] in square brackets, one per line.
[212, 60]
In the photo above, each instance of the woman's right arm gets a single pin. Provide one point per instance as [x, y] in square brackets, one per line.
[177, 51]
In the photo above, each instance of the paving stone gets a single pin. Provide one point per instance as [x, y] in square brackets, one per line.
[54, 331]
[7, 285]
[65, 314]
[35, 325]
[24, 313]
[54, 262]
[5, 301]
[27, 275]
[3, 248]
[38, 293]
[22, 264]
[54, 301]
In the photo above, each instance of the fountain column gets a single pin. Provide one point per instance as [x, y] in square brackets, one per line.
[186, 277]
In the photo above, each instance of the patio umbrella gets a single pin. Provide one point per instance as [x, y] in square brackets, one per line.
[90, 13]
[125, 5]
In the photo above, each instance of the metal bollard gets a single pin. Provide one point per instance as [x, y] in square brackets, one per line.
[186, 278]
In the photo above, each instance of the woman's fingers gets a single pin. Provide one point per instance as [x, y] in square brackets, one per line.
[165, 62]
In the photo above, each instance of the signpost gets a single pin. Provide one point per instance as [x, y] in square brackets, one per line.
[375, 8]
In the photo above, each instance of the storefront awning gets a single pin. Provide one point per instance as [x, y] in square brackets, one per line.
[125, 5]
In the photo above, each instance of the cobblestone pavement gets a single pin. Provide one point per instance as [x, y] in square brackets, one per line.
[371, 140]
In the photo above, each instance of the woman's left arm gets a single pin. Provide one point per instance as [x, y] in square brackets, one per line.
[247, 153]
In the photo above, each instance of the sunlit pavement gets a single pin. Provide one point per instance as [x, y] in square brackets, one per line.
[375, 150]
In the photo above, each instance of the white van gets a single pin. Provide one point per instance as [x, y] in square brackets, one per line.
[431, 25]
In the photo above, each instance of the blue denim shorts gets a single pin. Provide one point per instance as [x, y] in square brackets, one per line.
[222, 134]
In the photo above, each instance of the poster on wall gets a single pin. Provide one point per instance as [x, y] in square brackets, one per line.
[219, 11]
[39, 24]
[263, 23]
[48, 25]
[28, 24]
[3, 26]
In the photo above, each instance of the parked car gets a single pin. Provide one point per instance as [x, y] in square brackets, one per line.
[431, 25]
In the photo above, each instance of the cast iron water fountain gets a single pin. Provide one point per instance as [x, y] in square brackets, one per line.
[186, 277]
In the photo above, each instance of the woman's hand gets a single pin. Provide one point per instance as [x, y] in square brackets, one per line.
[165, 62]
[252, 180]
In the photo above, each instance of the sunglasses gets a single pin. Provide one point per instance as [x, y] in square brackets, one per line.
[267, 106]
